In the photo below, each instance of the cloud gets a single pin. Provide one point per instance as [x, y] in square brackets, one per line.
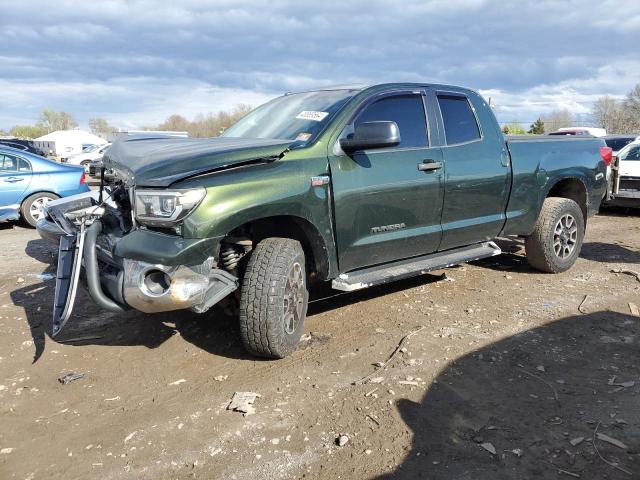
[132, 61]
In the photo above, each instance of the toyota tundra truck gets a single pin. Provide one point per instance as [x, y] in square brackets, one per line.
[356, 186]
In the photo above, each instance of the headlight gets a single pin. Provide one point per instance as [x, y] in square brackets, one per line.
[166, 207]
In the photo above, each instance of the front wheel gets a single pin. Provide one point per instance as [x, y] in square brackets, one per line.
[274, 298]
[32, 207]
[555, 243]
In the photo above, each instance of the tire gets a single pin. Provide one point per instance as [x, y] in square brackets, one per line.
[274, 283]
[31, 208]
[556, 240]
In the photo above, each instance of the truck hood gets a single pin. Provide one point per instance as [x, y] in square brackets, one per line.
[159, 162]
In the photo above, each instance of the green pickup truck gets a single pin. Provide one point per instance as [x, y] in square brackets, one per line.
[354, 185]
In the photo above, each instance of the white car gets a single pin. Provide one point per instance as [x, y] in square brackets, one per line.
[625, 179]
[85, 157]
[629, 161]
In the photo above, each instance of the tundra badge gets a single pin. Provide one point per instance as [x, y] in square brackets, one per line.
[388, 228]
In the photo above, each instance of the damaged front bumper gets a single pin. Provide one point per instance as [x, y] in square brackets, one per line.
[144, 270]
[153, 288]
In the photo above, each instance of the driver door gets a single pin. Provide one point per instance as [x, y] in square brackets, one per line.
[386, 208]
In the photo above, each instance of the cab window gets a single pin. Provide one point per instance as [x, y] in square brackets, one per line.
[460, 124]
[408, 113]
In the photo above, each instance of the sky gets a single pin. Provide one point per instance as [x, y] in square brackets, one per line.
[136, 62]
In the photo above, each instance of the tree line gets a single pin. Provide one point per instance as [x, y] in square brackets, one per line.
[615, 116]
[209, 125]
[619, 116]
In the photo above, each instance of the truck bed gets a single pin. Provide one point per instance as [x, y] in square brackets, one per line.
[536, 160]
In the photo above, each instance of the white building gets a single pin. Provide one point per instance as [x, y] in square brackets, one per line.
[64, 143]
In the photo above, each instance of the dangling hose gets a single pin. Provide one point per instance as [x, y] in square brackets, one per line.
[92, 271]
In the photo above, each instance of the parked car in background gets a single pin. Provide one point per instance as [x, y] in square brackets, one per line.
[580, 131]
[618, 142]
[625, 177]
[21, 144]
[84, 158]
[28, 182]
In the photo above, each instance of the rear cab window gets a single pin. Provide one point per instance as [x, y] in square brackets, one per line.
[460, 123]
[406, 110]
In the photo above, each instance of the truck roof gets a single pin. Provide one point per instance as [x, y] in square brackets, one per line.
[366, 86]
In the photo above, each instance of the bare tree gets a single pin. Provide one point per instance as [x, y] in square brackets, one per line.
[609, 114]
[52, 120]
[175, 122]
[100, 126]
[619, 116]
[632, 109]
[557, 119]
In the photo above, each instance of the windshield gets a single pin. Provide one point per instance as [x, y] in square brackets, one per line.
[298, 116]
[632, 153]
[91, 148]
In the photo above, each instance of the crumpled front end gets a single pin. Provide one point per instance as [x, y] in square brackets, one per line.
[154, 288]
[127, 266]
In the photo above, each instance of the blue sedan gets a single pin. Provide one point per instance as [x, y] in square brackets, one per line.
[28, 182]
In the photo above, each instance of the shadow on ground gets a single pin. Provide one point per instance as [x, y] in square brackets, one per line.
[505, 395]
[609, 253]
[216, 331]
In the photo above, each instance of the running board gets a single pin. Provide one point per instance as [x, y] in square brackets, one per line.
[389, 272]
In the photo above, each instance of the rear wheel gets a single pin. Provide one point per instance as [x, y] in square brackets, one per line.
[274, 298]
[32, 207]
[555, 243]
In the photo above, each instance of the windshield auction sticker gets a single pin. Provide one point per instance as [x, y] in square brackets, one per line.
[311, 115]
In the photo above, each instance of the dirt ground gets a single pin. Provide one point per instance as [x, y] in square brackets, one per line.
[503, 377]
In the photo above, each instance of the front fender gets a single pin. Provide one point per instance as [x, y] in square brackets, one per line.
[279, 189]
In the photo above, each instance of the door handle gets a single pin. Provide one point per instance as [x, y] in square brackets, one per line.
[14, 179]
[428, 166]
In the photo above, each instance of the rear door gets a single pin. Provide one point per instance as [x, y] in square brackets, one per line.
[385, 207]
[15, 177]
[478, 174]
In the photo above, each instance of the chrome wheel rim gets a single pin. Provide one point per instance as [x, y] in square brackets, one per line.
[36, 210]
[565, 236]
[294, 296]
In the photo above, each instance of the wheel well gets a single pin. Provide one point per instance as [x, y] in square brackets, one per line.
[573, 189]
[287, 226]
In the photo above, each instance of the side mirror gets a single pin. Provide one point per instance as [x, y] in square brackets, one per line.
[372, 135]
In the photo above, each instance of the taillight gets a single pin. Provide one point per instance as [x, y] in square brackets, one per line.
[83, 178]
[607, 155]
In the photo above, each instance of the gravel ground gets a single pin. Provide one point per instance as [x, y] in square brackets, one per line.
[505, 373]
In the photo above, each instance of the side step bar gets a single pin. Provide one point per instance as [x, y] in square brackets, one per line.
[389, 272]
